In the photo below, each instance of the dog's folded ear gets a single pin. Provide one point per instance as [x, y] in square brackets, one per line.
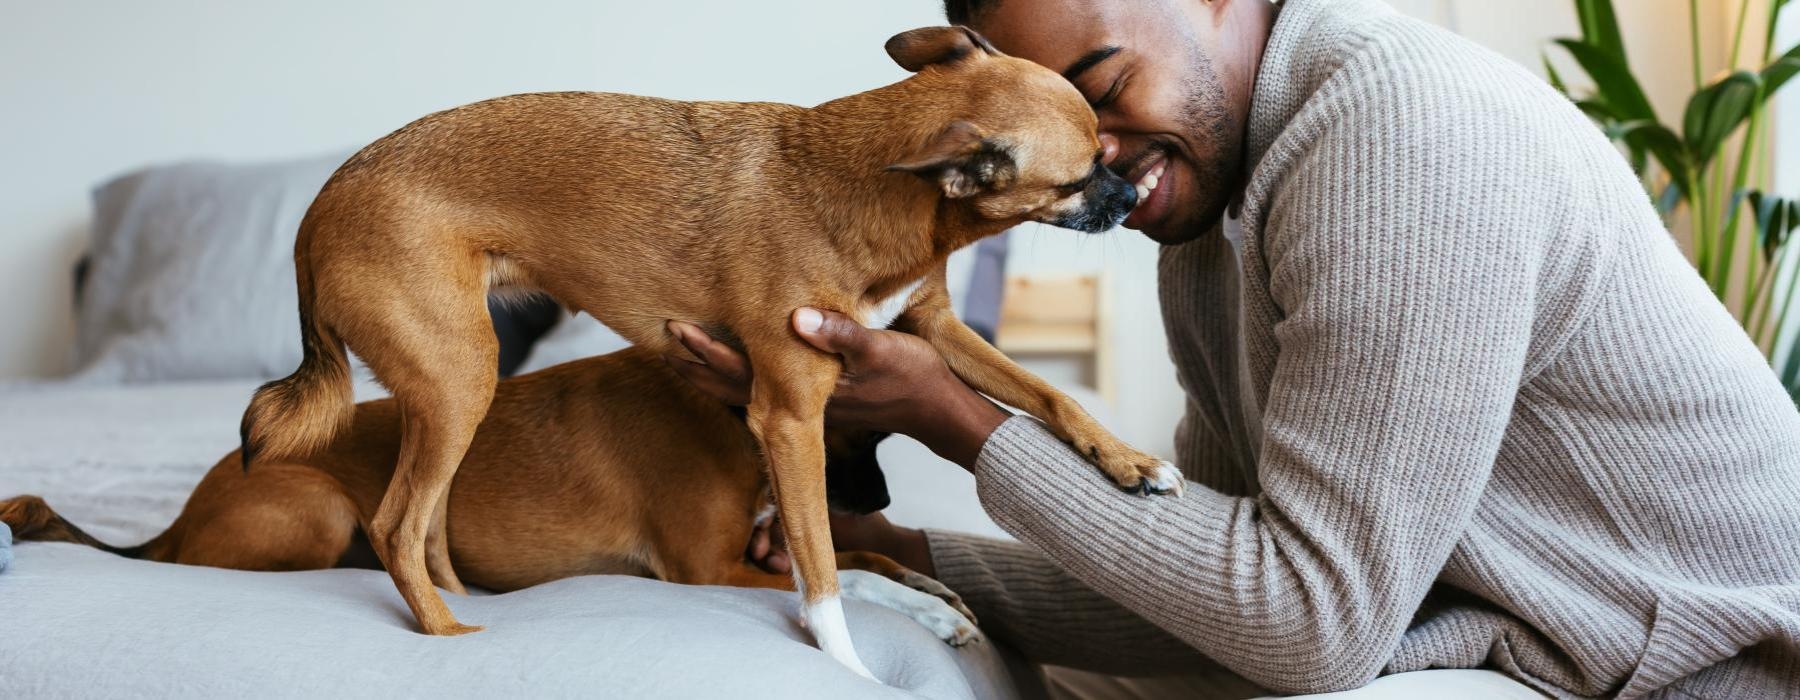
[962, 161]
[918, 48]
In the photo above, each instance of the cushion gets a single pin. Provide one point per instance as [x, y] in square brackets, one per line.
[190, 275]
[192, 272]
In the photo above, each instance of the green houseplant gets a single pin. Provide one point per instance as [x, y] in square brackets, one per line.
[1741, 232]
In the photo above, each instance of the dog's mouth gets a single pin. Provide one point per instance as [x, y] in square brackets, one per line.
[1107, 201]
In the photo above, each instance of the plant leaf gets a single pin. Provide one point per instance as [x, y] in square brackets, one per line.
[1600, 27]
[1554, 77]
[1776, 219]
[1790, 374]
[1661, 142]
[1781, 70]
[1614, 84]
[1600, 112]
[1718, 110]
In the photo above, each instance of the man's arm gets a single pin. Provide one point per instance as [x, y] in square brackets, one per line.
[1030, 604]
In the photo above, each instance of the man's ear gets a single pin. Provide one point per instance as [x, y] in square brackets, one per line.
[918, 48]
[961, 161]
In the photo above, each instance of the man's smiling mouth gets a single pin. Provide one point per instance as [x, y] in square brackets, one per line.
[1152, 177]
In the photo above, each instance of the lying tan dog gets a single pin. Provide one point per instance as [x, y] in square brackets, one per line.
[609, 465]
[727, 215]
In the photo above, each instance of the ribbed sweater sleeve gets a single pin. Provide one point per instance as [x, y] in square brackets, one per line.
[1030, 604]
[1404, 325]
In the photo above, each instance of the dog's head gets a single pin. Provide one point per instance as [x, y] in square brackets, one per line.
[853, 479]
[1016, 143]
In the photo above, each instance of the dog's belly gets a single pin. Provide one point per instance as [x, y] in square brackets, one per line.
[524, 567]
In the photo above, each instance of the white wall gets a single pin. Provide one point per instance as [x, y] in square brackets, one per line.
[89, 89]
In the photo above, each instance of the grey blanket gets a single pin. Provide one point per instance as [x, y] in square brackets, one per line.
[119, 462]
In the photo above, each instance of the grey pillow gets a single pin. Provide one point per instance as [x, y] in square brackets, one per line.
[192, 273]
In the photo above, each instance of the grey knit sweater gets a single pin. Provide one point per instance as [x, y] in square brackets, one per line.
[1463, 403]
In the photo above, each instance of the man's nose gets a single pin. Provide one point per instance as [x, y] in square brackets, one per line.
[1109, 147]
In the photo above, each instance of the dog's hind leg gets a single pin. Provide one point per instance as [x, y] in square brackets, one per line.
[422, 325]
[437, 550]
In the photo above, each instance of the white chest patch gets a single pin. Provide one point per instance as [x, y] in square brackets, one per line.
[881, 314]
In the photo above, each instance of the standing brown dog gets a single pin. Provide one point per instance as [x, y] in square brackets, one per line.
[727, 215]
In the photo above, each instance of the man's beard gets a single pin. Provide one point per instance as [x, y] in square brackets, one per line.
[1219, 143]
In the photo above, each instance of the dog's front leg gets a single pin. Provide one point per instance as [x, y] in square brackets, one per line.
[787, 415]
[991, 372]
[878, 579]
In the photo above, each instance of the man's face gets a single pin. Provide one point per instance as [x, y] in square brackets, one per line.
[1147, 68]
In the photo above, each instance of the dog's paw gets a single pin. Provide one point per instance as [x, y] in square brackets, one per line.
[453, 629]
[1134, 471]
[951, 626]
[1163, 479]
[931, 586]
[932, 611]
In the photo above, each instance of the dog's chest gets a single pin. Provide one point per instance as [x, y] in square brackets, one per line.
[883, 313]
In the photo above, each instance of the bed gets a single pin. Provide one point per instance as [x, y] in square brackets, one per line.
[186, 307]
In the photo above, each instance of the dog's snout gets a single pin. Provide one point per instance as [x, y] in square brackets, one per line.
[1116, 193]
[1105, 203]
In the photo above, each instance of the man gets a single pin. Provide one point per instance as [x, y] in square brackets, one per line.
[1456, 401]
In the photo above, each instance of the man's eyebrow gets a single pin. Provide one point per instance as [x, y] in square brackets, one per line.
[1089, 60]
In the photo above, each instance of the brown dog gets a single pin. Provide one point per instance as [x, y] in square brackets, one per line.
[727, 215]
[608, 465]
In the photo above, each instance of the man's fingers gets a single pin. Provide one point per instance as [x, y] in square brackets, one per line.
[707, 379]
[715, 354]
[832, 332]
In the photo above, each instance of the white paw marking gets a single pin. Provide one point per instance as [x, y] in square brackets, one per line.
[826, 620]
[924, 608]
[1167, 479]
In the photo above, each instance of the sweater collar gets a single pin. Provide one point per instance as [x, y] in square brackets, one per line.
[1309, 43]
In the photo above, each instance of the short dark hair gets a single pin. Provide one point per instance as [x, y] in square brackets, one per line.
[965, 11]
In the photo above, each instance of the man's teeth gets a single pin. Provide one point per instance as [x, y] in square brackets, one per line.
[1149, 183]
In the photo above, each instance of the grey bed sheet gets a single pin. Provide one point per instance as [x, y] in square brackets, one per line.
[119, 461]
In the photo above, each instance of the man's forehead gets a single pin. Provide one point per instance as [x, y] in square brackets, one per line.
[1052, 33]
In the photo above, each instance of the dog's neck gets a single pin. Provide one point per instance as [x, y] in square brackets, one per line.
[895, 226]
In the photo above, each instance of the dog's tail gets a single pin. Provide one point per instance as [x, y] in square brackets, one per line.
[295, 415]
[32, 520]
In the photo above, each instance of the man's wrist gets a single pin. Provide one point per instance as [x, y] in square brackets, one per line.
[958, 428]
[911, 549]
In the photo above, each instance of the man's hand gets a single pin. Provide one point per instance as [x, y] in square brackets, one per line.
[849, 533]
[892, 382]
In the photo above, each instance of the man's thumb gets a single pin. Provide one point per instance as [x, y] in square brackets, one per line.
[830, 331]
